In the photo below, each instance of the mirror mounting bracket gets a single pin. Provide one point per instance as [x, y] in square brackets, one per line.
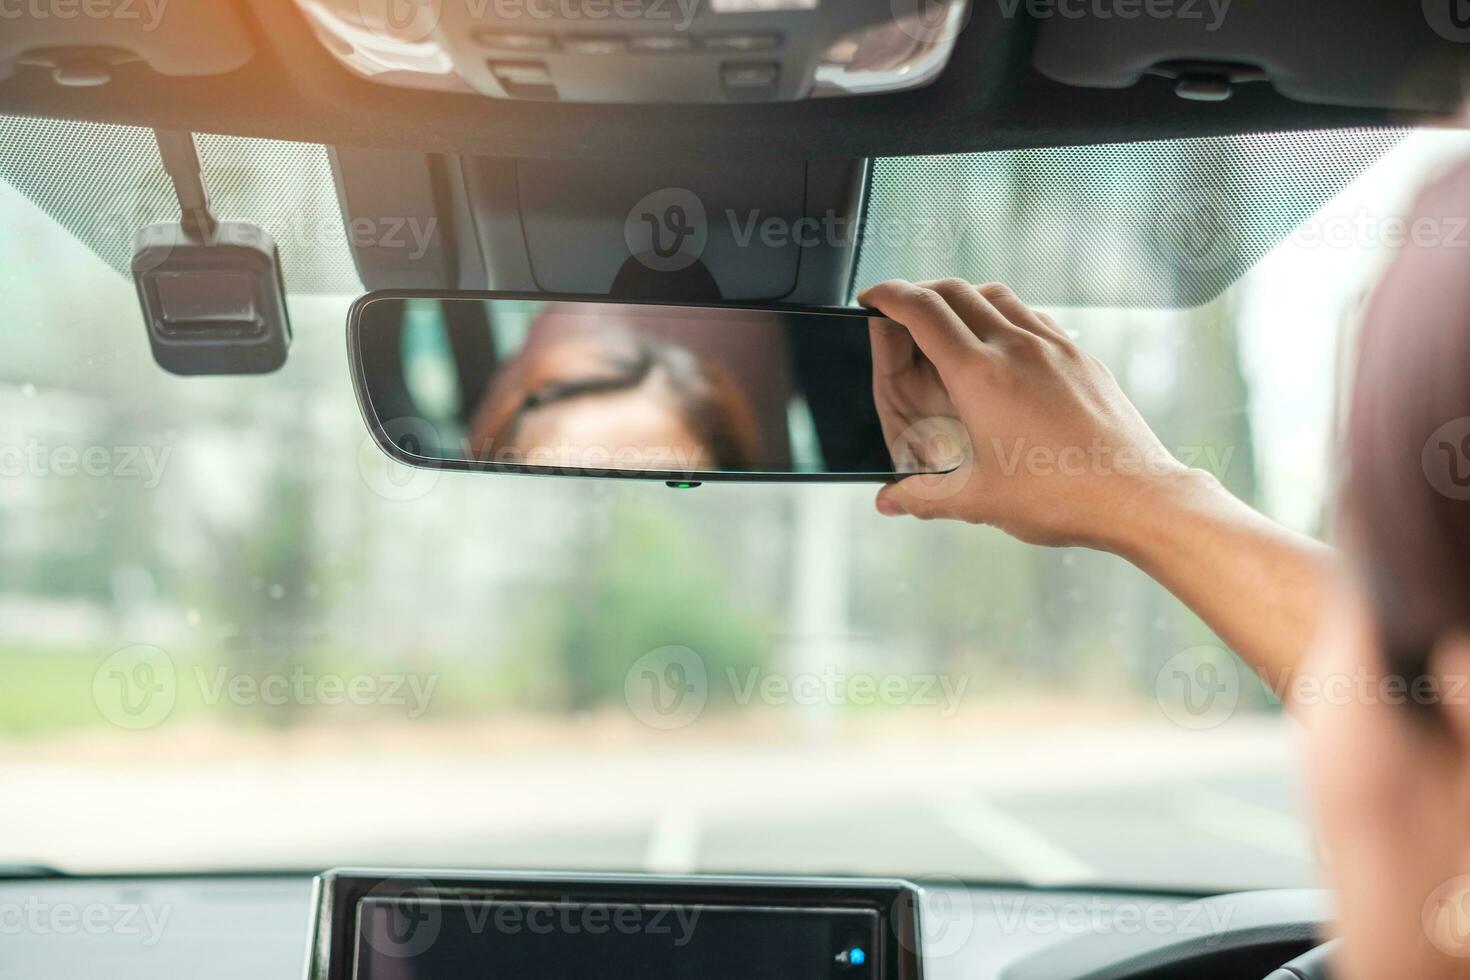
[642, 228]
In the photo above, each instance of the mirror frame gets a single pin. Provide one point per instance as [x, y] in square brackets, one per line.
[671, 478]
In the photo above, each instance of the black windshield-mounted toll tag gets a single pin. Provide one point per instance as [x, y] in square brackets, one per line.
[211, 291]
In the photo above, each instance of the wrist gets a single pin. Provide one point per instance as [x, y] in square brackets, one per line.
[1151, 512]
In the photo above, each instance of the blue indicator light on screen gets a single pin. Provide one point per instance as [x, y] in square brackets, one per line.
[856, 956]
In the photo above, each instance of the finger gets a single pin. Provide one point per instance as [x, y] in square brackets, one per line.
[1056, 328]
[1004, 299]
[982, 317]
[934, 325]
[901, 499]
[893, 347]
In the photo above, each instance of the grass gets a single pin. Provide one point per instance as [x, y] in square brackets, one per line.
[46, 692]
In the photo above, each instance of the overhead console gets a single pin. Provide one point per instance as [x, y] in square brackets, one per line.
[643, 51]
[1335, 52]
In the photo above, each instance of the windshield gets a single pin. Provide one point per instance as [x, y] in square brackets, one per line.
[233, 635]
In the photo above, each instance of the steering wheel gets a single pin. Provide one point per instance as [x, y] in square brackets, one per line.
[1314, 964]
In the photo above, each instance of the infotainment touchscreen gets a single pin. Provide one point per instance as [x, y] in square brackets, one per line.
[575, 940]
[373, 924]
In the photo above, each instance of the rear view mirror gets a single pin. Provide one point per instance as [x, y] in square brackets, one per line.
[516, 383]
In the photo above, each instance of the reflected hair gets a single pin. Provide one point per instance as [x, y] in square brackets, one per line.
[706, 399]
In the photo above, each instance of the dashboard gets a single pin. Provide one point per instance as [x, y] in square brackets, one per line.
[258, 927]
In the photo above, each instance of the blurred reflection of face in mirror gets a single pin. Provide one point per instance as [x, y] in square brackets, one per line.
[613, 388]
[614, 399]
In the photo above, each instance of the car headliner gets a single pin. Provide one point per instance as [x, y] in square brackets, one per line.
[990, 97]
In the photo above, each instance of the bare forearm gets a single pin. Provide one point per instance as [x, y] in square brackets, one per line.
[1258, 585]
[1012, 376]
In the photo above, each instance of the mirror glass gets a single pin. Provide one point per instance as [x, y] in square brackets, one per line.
[618, 389]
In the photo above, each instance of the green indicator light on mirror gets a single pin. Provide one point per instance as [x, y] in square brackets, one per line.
[673, 484]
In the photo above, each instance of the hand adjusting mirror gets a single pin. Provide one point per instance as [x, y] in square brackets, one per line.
[511, 383]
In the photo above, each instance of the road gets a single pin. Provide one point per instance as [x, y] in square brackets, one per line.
[1143, 803]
